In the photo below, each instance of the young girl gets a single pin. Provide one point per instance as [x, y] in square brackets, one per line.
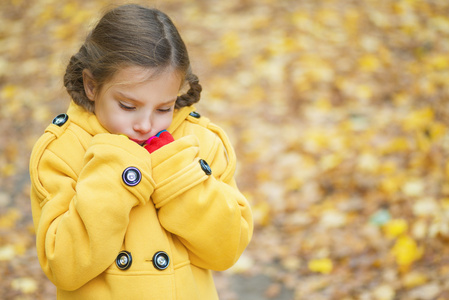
[133, 194]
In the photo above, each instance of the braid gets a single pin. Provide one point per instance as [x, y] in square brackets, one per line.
[193, 95]
[73, 80]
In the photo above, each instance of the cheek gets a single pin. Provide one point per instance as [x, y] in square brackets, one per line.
[164, 122]
[114, 122]
[121, 122]
[168, 120]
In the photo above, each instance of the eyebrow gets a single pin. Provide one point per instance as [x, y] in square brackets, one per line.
[130, 98]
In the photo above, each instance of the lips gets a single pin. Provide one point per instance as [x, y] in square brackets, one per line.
[140, 142]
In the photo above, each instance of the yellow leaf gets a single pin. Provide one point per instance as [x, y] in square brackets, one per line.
[391, 184]
[291, 263]
[46, 16]
[321, 265]
[426, 207]
[397, 144]
[231, 43]
[368, 162]
[422, 141]
[384, 292]
[440, 225]
[25, 284]
[414, 188]
[42, 114]
[418, 119]
[9, 219]
[261, 213]
[333, 219]
[364, 92]
[16, 2]
[395, 227]
[301, 19]
[401, 98]
[439, 62]
[330, 161]
[406, 251]
[414, 279]
[316, 139]
[445, 203]
[20, 249]
[323, 104]
[419, 229]
[9, 91]
[293, 183]
[437, 131]
[369, 63]
[63, 31]
[7, 252]
[244, 263]
[351, 20]
[70, 9]
[388, 168]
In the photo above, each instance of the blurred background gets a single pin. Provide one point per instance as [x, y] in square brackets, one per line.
[337, 111]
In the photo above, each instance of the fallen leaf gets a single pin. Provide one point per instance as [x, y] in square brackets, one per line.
[321, 265]
[25, 285]
[406, 251]
[384, 292]
[395, 227]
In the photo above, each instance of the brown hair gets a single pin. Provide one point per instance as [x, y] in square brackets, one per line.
[130, 35]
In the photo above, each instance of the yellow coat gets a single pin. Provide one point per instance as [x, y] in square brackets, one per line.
[174, 219]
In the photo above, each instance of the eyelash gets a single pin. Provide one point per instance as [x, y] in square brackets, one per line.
[131, 108]
[125, 107]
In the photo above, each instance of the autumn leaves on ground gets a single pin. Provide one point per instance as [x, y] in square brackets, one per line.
[338, 113]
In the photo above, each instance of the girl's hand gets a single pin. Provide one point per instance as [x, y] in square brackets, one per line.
[161, 139]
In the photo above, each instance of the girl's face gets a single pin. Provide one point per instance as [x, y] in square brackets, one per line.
[133, 102]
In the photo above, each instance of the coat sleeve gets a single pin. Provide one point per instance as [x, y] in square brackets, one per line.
[206, 212]
[81, 221]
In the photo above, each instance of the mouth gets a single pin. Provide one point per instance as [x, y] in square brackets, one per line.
[140, 142]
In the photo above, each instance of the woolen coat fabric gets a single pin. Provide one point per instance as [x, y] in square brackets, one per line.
[85, 213]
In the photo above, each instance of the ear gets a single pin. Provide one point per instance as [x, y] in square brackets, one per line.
[90, 86]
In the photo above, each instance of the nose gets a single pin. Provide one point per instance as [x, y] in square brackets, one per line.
[143, 125]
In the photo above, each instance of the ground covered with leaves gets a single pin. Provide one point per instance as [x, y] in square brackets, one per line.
[338, 113]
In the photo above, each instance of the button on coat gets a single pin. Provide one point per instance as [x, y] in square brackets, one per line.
[161, 260]
[195, 114]
[205, 167]
[131, 176]
[60, 119]
[124, 260]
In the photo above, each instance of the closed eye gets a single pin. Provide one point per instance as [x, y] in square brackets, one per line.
[165, 109]
[126, 107]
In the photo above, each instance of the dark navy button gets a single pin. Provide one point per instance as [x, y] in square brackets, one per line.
[195, 114]
[124, 260]
[205, 166]
[161, 260]
[60, 119]
[131, 176]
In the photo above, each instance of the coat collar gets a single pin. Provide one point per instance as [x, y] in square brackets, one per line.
[89, 122]
[84, 119]
[179, 116]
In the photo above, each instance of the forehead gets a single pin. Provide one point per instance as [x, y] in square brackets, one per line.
[146, 84]
[131, 75]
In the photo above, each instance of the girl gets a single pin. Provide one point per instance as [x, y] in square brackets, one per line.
[133, 194]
